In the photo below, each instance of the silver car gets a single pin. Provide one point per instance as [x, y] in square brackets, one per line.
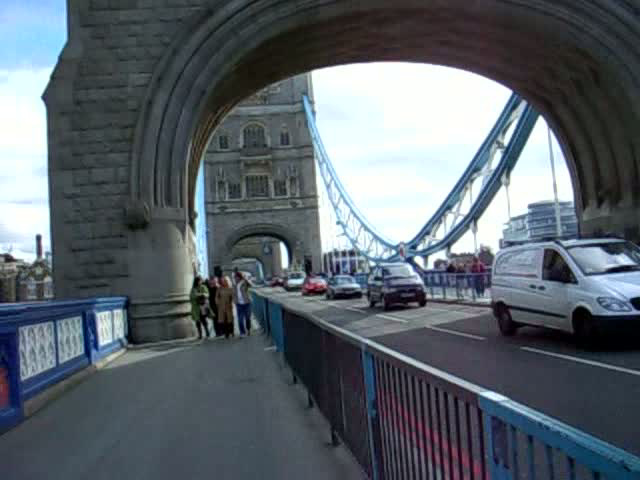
[343, 286]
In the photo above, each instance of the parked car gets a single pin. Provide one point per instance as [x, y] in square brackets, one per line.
[294, 281]
[344, 286]
[395, 283]
[314, 285]
[579, 286]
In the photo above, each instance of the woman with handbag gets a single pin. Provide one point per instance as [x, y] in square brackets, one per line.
[224, 301]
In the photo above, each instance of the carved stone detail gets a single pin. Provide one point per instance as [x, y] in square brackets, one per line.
[137, 215]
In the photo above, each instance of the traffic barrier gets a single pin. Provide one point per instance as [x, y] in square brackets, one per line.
[401, 418]
[41, 344]
[258, 308]
[475, 287]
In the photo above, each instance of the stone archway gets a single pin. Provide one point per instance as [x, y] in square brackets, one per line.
[138, 91]
[293, 241]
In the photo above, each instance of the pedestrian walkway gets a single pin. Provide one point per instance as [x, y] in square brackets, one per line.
[222, 409]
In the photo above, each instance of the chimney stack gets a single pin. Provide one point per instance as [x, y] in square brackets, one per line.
[39, 247]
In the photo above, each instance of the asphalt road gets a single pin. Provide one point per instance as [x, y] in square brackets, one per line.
[597, 392]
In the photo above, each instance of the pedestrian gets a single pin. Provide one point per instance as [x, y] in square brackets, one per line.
[199, 305]
[224, 302]
[213, 285]
[478, 269]
[243, 303]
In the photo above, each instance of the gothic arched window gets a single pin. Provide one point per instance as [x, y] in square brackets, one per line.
[254, 137]
[285, 139]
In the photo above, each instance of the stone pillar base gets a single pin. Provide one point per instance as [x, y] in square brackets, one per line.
[154, 320]
[160, 281]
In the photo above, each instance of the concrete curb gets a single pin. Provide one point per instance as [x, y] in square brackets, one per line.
[41, 400]
[181, 342]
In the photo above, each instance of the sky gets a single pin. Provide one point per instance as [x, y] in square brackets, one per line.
[399, 135]
[420, 126]
[32, 33]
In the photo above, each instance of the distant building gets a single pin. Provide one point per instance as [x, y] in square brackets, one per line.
[485, 255]
[9, 268]
[23, 282]
[336, 262]
[540, 222]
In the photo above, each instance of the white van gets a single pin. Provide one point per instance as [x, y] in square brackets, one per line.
[579, 286]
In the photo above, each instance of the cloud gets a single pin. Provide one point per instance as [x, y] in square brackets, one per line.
[23, 158]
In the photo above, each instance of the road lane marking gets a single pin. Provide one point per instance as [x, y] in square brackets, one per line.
[393, 319]
[583, 360]
[356, 309]
[270, 349]
[454, 332]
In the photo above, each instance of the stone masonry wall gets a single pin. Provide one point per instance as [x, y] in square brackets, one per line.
[94, 102]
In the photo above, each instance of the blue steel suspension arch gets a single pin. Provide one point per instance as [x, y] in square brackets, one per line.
[506, 140]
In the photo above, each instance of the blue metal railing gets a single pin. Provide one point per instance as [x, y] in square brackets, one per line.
[442, 285]
[403, 419]
[41, 344]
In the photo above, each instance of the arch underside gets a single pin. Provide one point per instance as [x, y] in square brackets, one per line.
[279, 232]
[579, 66]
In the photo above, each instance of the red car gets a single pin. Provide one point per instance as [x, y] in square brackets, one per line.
[314, 285]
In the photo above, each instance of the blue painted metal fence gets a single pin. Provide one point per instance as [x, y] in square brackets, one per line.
[41, 344]
[403, 419]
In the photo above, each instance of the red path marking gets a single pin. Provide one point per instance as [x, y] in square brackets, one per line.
[416, 434]
[4, 388]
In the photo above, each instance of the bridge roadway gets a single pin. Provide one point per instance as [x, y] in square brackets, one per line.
[596, 392]
[187, 410]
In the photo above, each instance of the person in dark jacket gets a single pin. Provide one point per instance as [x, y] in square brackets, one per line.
[199, 305]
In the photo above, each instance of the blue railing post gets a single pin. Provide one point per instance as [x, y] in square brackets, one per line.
[372, 408]
[497, 444]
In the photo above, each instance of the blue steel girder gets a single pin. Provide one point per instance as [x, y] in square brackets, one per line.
[449, 222]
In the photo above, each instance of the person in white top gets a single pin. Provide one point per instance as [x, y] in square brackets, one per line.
[243, 303]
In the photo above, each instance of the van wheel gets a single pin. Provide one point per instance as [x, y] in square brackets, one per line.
[585, 331]
[422, 303]
[506, 325]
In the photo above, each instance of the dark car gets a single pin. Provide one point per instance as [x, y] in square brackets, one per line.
[344, 286]
[276, 282]
[395, 283]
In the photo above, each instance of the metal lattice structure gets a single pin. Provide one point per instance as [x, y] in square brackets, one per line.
[490, 169]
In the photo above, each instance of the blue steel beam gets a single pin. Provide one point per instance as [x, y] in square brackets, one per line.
[480, 160]
[372, 245]
[509, 159]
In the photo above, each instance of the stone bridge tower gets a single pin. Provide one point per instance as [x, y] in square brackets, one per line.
[261, 179]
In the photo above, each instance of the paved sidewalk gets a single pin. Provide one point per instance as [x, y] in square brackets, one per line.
[220, 409]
